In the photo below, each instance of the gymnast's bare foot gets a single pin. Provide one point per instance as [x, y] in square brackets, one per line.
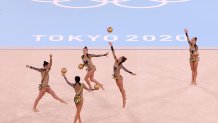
[90, 89]
[62, 101]
[124, 103]
[195, 83]
[35, 110]
[101, 85]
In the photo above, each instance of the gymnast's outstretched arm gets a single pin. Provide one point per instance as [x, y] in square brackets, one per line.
[71, 84]
[34, 68]
[187, 36]
[99, 55]
[127, 70]
[112, 49]
[50, 63]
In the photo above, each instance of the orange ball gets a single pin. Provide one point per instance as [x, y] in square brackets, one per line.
[80, 66]
[64, 70]
[96, 86]
[110, 29]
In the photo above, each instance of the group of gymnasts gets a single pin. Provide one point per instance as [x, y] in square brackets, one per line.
[118, 64]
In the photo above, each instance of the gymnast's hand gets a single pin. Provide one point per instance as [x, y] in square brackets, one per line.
[186, 30]
[63, 74]
[133, 74]
[110, 43]
[106, 54]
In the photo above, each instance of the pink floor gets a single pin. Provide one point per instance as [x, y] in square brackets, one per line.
[160, 93]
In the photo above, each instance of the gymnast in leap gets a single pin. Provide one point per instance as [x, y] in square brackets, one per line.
[118, 64]
[44, 86]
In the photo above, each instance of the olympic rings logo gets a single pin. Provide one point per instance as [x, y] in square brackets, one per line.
[100, 3]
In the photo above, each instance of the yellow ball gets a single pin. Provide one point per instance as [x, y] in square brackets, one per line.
[80, 66]
[63, 70]
[96, 86]
[110, 29]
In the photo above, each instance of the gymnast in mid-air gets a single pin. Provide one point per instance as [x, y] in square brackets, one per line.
[118, 64]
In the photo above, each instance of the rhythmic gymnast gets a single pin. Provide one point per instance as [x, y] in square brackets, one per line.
[78, 98]
[44, 86]
[116, 68]
[194, 56]
[86, 57]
